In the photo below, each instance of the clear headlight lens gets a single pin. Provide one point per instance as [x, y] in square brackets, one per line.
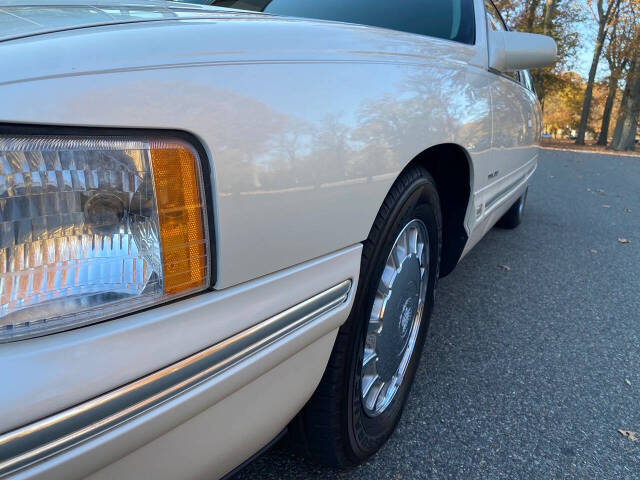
[91, 228]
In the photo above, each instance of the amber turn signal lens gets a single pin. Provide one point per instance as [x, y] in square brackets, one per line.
[180, 206]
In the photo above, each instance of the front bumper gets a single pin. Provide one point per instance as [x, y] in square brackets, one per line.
[205, 413]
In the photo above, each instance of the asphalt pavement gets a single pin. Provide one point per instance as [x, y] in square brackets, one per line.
[532, 362]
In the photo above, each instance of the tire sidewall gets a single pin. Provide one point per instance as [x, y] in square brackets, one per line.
[419, 201]
[523, 203]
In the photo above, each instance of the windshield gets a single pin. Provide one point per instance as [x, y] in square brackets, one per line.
[448, 19]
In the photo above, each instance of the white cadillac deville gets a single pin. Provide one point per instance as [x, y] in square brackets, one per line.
[223, 223]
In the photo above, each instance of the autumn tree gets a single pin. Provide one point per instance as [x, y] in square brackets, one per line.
[627, 124]
[561, 114]
[606, 13]
[598, 106]
[618, 52]
[532, 7]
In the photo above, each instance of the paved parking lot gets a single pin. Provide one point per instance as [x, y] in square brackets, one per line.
[530, 370]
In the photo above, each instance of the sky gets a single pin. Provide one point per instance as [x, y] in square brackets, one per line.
[585, 52]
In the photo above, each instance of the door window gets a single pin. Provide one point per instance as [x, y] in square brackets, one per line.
[494, 19]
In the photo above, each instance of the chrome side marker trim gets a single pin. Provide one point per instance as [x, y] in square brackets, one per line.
[27, 445]
[502, 194]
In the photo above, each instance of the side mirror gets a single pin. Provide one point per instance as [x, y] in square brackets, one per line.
[510, 51]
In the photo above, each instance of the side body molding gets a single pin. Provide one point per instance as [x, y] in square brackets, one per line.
[27, 445]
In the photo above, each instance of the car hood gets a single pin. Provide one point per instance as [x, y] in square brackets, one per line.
[23, 18]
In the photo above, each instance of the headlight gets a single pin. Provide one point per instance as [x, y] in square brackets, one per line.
[91, 228]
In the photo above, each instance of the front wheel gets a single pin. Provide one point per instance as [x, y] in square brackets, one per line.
[367, 381]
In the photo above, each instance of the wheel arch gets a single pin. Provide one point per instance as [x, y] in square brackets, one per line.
[452, 169]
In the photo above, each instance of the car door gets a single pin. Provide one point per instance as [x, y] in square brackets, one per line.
[515, 120]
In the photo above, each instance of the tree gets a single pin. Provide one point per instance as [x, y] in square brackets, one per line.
[598, 107]
[531, 14]
[548, 14]
[627, 124]
[606, 16]
[618, 51]
[556, 18]
[563, 104]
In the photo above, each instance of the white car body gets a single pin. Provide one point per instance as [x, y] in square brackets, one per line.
[306, 125]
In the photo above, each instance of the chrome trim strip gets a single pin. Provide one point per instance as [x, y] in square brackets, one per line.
[509, 188]
[504, 192]
[32, 443]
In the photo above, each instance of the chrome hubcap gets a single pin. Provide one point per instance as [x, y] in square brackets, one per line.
[395, 318]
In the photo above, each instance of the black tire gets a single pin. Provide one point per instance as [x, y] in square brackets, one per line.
[513, 217]
[333, 428]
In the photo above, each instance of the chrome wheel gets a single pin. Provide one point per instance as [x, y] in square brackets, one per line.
[394, 322]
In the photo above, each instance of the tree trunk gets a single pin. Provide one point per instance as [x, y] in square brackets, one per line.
[608, 106]
[627, 125]
[549, 10]
[531, 14]
[624, 103]
[588, 94]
